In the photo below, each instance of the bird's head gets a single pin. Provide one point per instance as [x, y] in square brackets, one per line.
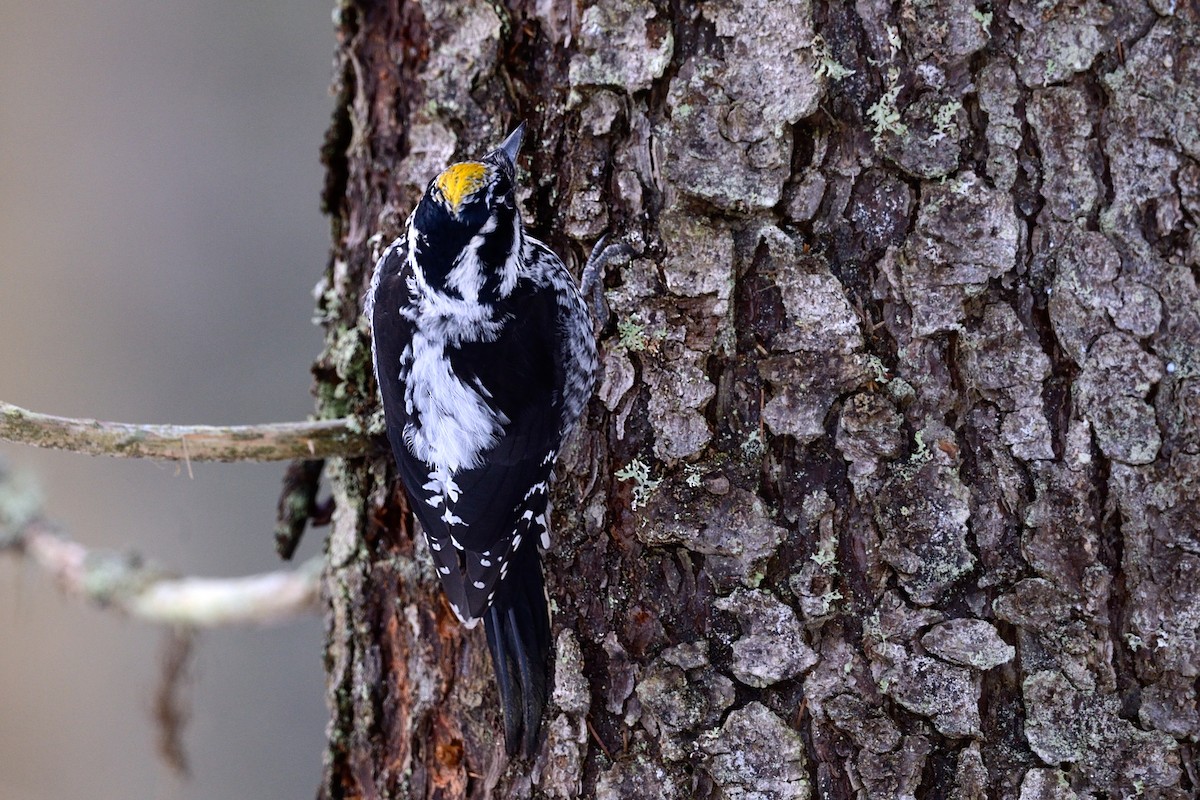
[465, 235]
[468, 194]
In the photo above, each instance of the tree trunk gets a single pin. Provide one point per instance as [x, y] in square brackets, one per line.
[890, 489]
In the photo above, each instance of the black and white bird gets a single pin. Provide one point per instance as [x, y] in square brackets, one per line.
[485, 358]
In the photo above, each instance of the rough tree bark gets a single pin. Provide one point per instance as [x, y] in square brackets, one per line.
[901, 384]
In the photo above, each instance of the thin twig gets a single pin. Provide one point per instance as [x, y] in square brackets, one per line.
[273, 442]
[595, 735]
[187, 459]
[171, 708]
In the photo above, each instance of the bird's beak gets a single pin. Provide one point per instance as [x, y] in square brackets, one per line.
[512, 145]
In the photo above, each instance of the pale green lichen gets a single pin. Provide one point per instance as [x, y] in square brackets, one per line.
[984, 18]
[350, 357]
[828, 602]
[878, 370]
[633, 336]
[873, 627]
[884, 114]
[826, 554]
[644, 485]
[901, 391]
[921, 454]
[919, 458]
[893, 34]
[943, 120]
[828, 66]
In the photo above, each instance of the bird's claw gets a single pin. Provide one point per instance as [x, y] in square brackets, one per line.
[591, 284]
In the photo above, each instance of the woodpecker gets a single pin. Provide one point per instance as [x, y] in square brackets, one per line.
[485, 358]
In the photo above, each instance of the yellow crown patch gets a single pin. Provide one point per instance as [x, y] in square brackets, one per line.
[460, 180]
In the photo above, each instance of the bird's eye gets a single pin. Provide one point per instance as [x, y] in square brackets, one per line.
[498, 198]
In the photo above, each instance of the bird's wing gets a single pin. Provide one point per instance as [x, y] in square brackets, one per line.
[476, 519]
[575, 360]
[391, 329]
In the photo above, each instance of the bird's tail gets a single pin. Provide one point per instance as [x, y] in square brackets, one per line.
[518, 634]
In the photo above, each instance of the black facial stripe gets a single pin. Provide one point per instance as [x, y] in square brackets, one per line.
[444, 238]
[495, 250]
[447, 235]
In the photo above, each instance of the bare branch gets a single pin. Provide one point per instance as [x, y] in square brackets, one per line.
[124, 583]
[273, 442]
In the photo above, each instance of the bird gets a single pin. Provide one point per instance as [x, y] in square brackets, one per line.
[485, 358]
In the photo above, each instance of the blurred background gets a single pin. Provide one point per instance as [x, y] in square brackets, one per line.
[160, 235]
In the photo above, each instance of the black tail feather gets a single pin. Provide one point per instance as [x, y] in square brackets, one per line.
[518, 634]
[504, 678]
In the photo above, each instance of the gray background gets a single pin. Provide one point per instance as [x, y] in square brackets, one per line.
[160, 235]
